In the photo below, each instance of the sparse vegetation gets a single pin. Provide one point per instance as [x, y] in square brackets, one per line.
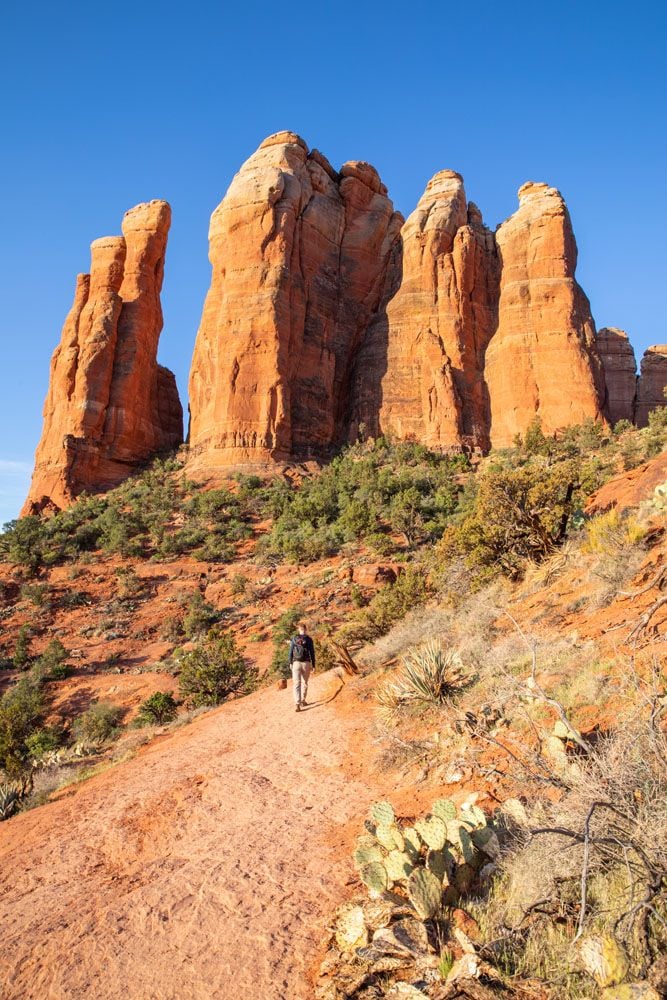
[157, 709]
[215, 671]
[98, 724]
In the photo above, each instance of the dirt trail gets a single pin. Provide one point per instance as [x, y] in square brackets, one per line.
[200, 870]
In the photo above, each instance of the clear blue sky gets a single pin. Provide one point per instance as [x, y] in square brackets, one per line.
[107, 105]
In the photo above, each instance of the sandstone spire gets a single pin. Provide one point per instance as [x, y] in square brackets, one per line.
[542, 358]
[109, 405]
[651, 383]
[620, 372]
[299, 253]
[428, 349]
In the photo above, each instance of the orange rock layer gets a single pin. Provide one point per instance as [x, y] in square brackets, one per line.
[109, 406]
[326, 318]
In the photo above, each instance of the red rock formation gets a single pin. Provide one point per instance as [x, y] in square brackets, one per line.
[428, 345]
[651, 383]
[542, 358]
[299, 255]
[109, 406]
[620, 372]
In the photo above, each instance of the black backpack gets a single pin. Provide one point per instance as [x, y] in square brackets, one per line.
[300, 651]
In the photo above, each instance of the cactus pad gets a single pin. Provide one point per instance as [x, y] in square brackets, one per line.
[374, 876]
[411, 842]
[486, 840]
[444, 808]
[425, 893]
[351, 931]
[473, 817]
[382, 813]
[386, 837]
[398, 866]
[438, 862]
[433, 832]
[367, 856]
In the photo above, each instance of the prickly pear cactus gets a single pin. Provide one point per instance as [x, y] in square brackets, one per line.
[367, 855]
[444, 809]
[439, 862]
[412, 842]
[425, 893]
[473, 817]
[351, 930]
[433, 832]
[382, 814]
[389, 837]
[374, 876]
[398, 866]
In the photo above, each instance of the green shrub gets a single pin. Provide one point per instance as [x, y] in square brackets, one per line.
[512, 516]
[53, 661]
[199, 617]
[44, 741]
[36, 593]
[215, 671]
[22, 656]
[98, 724]
[157, 709]
[388, 606]
[21, 710]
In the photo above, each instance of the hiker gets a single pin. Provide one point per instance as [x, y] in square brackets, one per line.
[301, 661]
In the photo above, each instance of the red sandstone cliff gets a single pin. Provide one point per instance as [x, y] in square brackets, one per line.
[542, 358]
[299, 254]
[109, 406]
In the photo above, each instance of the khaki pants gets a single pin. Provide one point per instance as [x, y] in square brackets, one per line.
[300, 674]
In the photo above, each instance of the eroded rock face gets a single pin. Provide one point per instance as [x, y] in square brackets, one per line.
[109, 405]
[542, 359]
[427, 347]
[299, 254]
[620, 372]
[651, 383]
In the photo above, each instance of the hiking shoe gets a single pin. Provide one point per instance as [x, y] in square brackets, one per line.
[304, 703]
[297, 708]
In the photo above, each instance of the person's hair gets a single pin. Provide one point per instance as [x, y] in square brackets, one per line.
[302, 625]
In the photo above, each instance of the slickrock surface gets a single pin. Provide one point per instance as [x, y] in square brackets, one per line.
[299, 254]
[109, 406]
[199, 869]
[620, 372]
[651, 383]
[542, 358]
[429, 347]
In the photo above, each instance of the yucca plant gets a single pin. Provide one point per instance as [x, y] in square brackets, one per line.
[428, 674]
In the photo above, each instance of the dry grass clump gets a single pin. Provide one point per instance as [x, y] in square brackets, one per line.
[594, 861]
[615, 540]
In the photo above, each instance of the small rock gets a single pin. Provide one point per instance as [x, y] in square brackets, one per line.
[466, 967]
